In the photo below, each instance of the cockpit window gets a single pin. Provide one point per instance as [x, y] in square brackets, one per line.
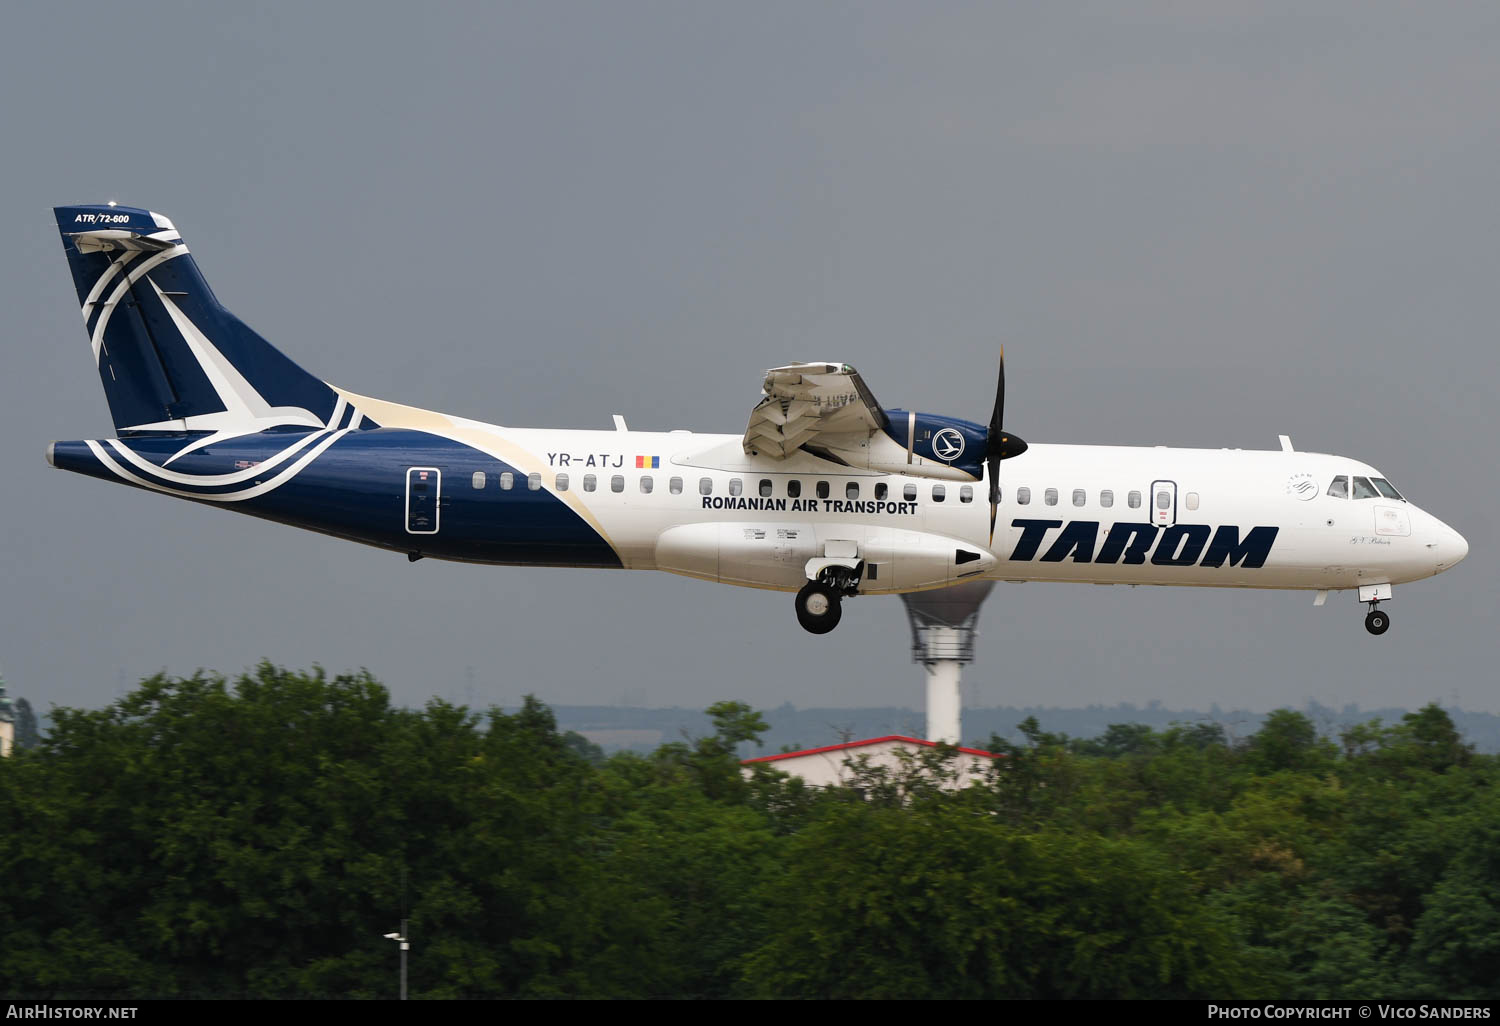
[1386, 488]
[1338, 488]
[1363, 489]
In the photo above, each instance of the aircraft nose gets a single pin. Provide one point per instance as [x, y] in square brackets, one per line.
[1449, 547]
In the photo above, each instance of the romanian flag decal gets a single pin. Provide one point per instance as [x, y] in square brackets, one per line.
[648, 463]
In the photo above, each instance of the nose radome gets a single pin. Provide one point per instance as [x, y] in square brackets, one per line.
[1450, 548]
[1460, 546]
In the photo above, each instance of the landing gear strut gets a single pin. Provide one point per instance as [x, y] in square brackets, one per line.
[820, 603]
[1377, 622]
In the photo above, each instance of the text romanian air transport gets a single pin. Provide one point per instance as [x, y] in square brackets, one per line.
[826, 493]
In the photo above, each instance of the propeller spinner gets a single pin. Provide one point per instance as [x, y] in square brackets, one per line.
[999, 445]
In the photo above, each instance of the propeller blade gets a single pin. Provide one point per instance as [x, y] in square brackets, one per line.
[999, 445]
[997, 417]
[994, 503]
[995, 445]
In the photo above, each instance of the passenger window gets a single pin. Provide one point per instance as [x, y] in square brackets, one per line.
[507, 480]
[1163, 499]
[533, 481]
[938, 493]
[765, 487]
[1192, 500]
[1363, 489]
[705, 486]
[966, 493]
[589, 482]
[909, 493]
[617, 483]
[1338, 488]
[647, 484]
[822, 489]
[882, 490]
[736, 486]
[1133, 500]
[1386, 488]
[794, 489]
[851, 490]
[675, 486]
[562, 482]
[1079, 497]
[1106, 498]
[1050, 496]
[478, 479]
[1023, 496]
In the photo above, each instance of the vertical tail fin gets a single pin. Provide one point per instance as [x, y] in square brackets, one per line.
[170, 357]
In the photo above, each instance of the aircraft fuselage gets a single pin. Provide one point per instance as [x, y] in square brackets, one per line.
[694, 504]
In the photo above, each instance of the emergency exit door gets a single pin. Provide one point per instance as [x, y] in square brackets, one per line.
[1164, 503]
[424, 487]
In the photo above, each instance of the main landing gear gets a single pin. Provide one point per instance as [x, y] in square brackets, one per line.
[818, 608]
[820, 603]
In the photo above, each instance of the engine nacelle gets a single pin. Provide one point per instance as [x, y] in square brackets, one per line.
[919, 444]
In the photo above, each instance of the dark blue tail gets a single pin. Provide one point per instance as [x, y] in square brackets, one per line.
[170, 357]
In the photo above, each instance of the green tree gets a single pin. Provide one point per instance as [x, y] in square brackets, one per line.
[715, 758]
[1033, 777]
[1455, 948]
[27, 735]
[1288, 740]
[933, 901]
[1331, 951]
[1120, 739]
[1430, 739]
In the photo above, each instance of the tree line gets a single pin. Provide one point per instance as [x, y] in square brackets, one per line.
[256, 837]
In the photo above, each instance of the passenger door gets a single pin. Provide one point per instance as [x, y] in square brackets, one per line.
[424, 488]
[1164, 503]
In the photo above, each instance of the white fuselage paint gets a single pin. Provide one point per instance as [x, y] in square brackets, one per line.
[1321, 542]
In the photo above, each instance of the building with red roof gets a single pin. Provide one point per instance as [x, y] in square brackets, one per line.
[835, 765]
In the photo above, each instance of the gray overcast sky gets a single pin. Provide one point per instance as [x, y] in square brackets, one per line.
[1191, 224]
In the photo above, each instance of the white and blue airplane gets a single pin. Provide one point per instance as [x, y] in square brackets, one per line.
[826, 493]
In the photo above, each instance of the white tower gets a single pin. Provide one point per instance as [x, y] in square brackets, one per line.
[942, 640]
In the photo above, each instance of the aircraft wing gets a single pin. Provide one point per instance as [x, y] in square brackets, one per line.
[820, 404]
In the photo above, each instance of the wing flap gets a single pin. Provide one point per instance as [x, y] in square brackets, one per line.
[804, 402]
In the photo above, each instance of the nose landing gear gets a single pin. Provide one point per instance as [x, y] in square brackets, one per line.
[1374, 594]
